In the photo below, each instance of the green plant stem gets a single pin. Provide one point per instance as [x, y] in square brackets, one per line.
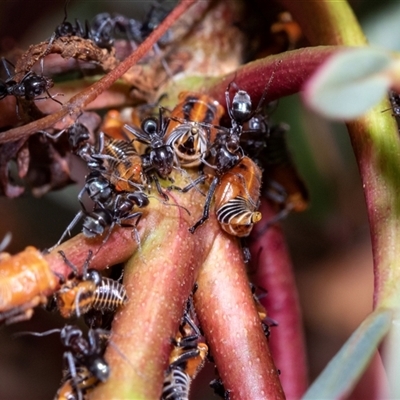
[376, 145]
[325, 22]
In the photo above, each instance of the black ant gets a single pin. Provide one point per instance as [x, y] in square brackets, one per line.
[116, 211]
[159, 158]
[186, 359]
[29, 87]
[111, 206]
[99, 34]
[226, 151]
[80, 352]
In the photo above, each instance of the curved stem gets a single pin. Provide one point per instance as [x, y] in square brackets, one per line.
[273, 76]
[376, 145]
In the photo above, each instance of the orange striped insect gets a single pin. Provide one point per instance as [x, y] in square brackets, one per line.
[186, 359]
[237, 198]
[75, 388]
[191, 127]
[236, 206]
[90, 290]
[25, 281]
[124, 165]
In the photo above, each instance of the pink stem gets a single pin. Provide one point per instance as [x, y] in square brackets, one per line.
[275, 274]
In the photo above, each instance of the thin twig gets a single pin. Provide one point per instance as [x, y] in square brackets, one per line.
[75, 105]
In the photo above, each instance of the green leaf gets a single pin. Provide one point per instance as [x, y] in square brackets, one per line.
[349, 83]
[344, 370]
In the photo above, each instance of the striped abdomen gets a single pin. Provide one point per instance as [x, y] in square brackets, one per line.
[237, 198]
[109, 295]
[176, 385]
[123, 164]
[78, 297]
[192, 126]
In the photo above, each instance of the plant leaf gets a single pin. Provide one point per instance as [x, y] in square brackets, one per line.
[343, 371]
[349, 83]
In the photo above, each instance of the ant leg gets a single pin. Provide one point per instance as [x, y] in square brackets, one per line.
[206, 210]
[159, 188]
[134, 230]
[5, 241]
[6, 65]
[52, 97]
[69, 227]
[184, 357]
[55, 136]
[69, 360]
[191, 185]
[69, 263]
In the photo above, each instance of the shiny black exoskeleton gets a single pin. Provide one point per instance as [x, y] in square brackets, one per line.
[80, 352]
[159, 157]
[100, 33]
[116, 213]
[226, 151]
[86, 352]
[30, 86]
[111, 207]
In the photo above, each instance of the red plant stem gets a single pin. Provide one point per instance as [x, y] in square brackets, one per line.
[275, 274]
[275, 76]
[77, 103]
[226, 311]
[158, 280]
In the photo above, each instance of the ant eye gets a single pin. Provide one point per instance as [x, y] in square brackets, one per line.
[241, 106]
[150, 126]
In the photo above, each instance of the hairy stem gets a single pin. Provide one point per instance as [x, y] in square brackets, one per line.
[227, 314]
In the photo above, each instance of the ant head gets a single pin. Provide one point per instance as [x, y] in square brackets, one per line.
[35, 85]
[162, 159]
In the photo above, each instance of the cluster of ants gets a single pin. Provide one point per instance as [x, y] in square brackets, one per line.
[231, 161]
[119, 183]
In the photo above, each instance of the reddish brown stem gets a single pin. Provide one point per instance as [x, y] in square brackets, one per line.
[227, 314]
[158, 281]
[275, 274]
[276, 76]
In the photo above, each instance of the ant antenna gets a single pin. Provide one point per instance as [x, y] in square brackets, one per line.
[265, 91]
[170, 204]
[53, 136]
[40, 334]
[65, 11]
